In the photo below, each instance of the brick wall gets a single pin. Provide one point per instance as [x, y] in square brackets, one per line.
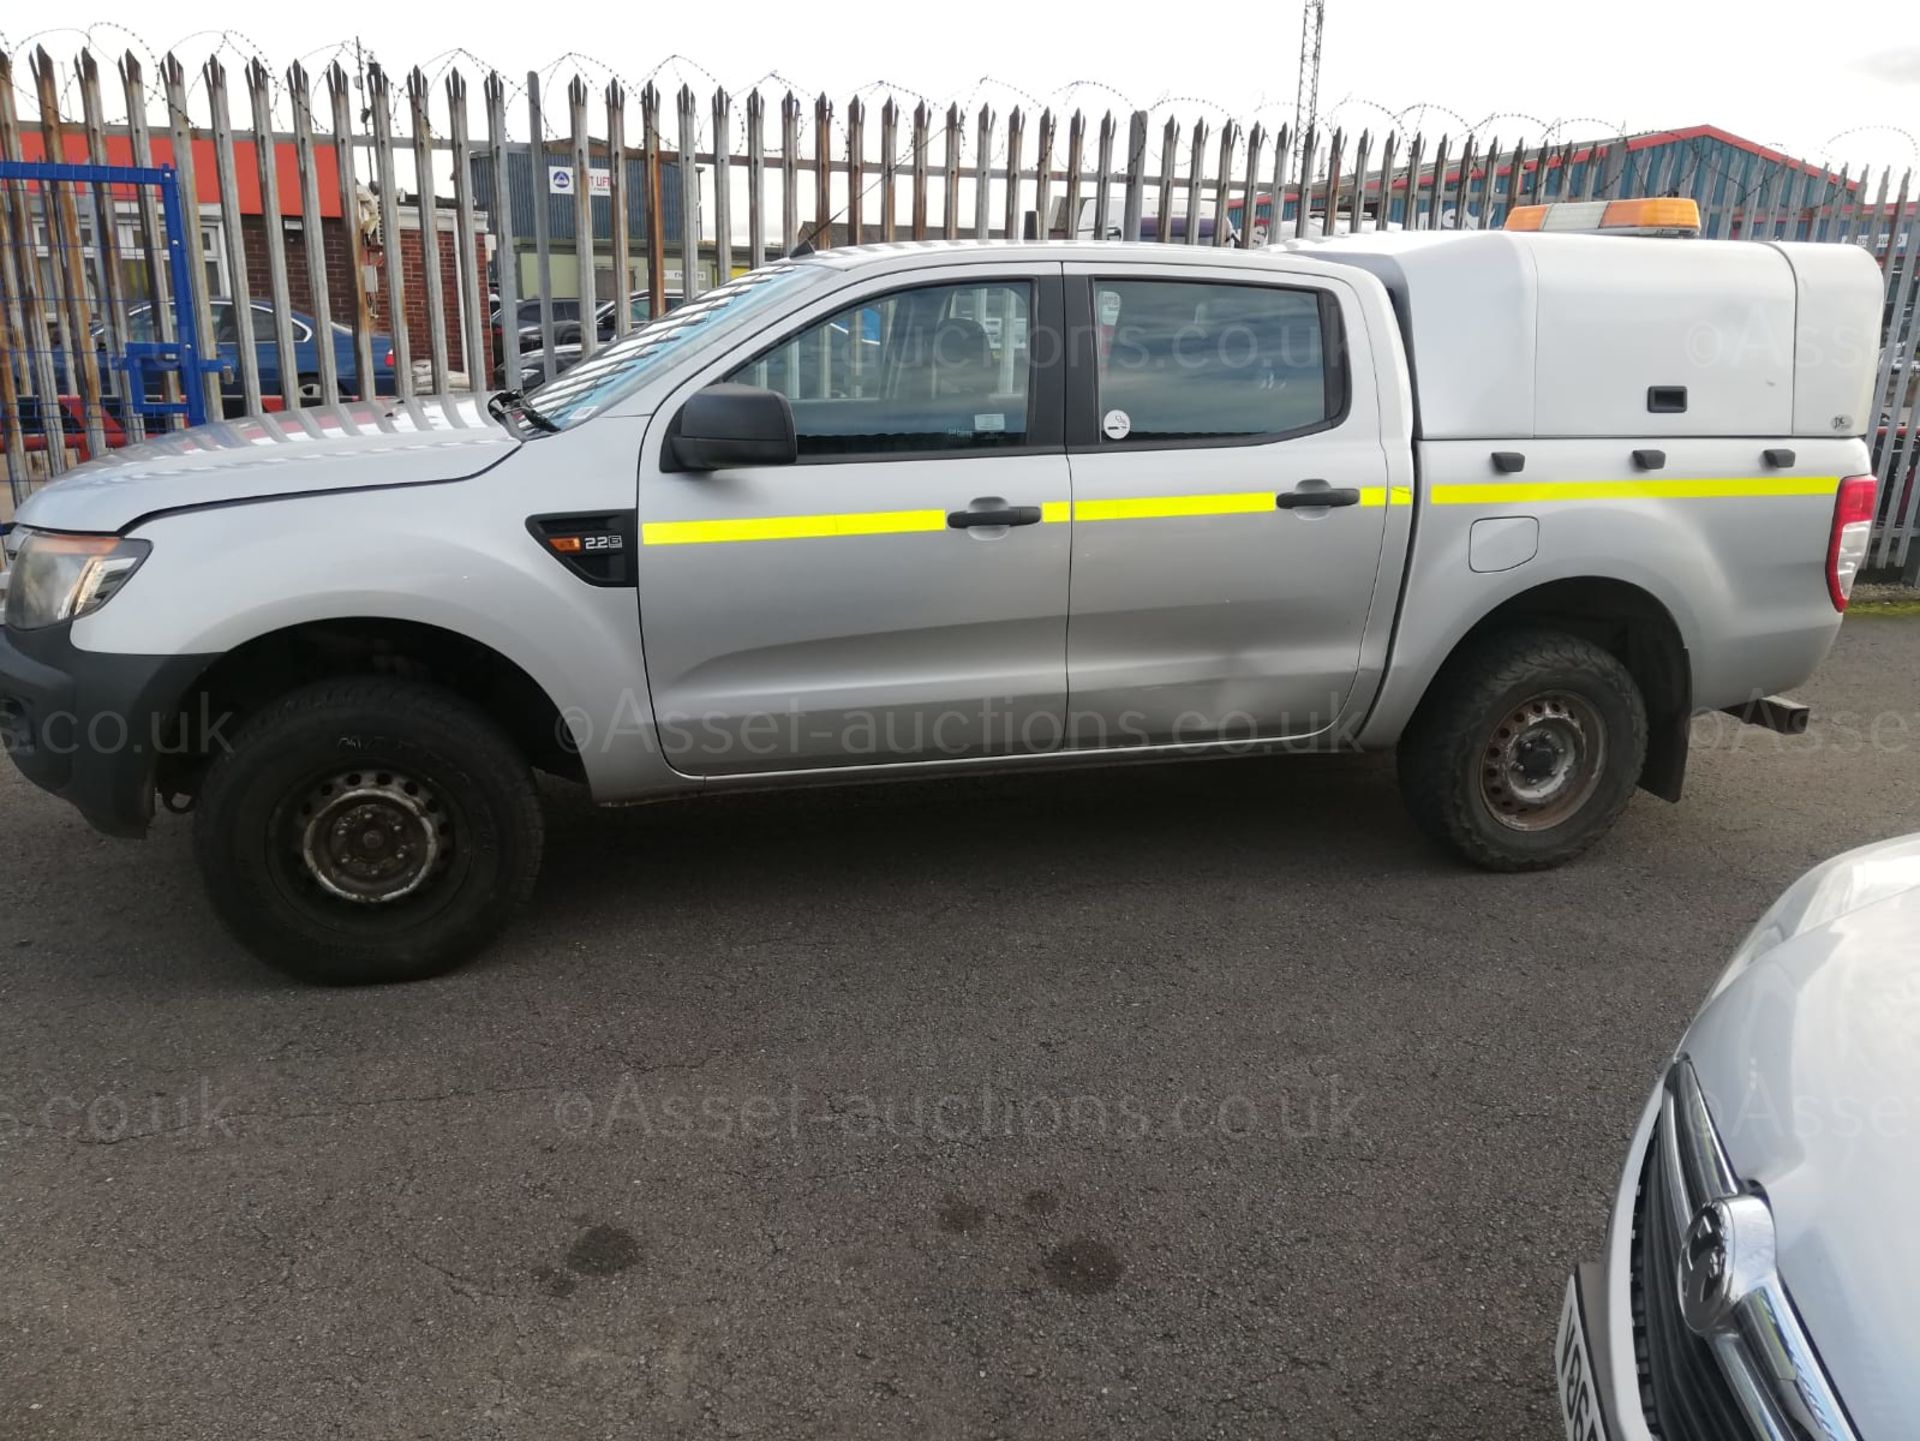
[340, 280]
[253, 236]
[414, 294]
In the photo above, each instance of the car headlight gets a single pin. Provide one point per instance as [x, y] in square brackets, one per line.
[55, 578]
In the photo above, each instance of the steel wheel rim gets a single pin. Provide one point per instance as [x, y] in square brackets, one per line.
[1542, 761]
[371, 837]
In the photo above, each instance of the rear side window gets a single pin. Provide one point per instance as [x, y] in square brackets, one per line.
[1199, 361]
[938, 368]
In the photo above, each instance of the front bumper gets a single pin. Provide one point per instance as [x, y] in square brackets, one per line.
[90, 726]
[1699, 1337]
[1602, 1295]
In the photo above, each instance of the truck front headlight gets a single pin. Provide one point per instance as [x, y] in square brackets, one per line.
[57, 578]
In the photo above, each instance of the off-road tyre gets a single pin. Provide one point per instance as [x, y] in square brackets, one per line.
[337, 796]
[1501, 691]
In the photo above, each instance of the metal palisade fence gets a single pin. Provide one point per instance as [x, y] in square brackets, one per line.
[205, 245]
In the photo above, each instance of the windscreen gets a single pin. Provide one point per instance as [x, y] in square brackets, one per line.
[618, 368]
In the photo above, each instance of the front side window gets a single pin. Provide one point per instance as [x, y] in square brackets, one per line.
[931, 369]
[1187, 360]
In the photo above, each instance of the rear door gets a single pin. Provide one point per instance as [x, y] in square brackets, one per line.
[900, 595]
[1231, 497]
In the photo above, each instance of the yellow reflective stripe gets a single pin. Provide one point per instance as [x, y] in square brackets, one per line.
[1372, 497]
[1168, 507]
[1053, 512]
[1737, 488]
[791, 527]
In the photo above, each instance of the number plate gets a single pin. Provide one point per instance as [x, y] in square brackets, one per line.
[1573, 1363]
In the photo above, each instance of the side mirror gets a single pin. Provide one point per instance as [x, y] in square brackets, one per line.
[729, 425]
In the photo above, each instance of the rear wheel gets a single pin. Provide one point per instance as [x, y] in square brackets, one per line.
[1526, 752]
[366, 830]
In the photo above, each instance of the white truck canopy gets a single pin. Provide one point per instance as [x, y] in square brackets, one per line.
[1516, 334]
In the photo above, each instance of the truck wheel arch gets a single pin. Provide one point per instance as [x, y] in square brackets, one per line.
[267, 666]
[1634, 626]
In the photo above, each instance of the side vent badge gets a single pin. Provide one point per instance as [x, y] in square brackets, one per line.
[596, 547]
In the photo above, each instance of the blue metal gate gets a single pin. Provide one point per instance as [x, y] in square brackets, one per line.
[99, 345]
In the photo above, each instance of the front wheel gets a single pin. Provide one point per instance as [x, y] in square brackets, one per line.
[368, 829]
[1526, 751]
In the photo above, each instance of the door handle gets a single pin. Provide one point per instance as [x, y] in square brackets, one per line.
[1322, 496]
[1004, 515]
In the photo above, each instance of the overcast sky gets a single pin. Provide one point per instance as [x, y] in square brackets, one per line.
[1803, 81]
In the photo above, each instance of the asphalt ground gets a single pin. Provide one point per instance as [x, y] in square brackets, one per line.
[1183, 1102]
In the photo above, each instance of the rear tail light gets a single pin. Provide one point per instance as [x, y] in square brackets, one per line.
[1852, 527]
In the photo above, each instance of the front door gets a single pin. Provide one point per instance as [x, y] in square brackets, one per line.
[1231, 494]
[900, 595]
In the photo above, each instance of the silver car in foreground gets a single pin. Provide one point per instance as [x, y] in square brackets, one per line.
[1759, 1273]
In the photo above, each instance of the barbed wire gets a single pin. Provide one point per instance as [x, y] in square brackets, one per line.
[239, 50]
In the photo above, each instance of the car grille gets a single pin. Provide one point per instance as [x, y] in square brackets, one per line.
[1682, 1389]
[1755, 1375]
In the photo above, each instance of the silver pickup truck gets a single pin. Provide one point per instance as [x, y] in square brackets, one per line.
[1518, 505]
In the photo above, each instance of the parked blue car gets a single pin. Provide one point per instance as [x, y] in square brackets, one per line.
[307, 341]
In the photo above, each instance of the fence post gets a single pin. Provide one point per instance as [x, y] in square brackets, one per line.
[76, 317]
[618, 198]
[392, 254]
[1102, 180]
[260, 94]
[1303, 186]
[420, 98]
[722, 188]
[822, 171]
[889, 167]
[1358, 206]
[656, 211]
[1196, 182]
[1409, 207]
[152, 233]
[1016, 131]
[581, 158]
[106, 236]
[468, 266]
[1169, 159]
[950, 204]
[982, 174]
[311, 233]
[1042, 177]
[1136, 197]
[856, 170]
[1282, 168]
[918, 214]
[689, 197]
[542, 221]
[507, 257]
[1223, 183]
[789, 172]
[756, 180]
[1330, 196]
[366, 381]
[226, 177]
[1076, 165]
[1383, 214]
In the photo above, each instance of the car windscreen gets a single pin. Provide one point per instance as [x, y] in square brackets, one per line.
[617, 369]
